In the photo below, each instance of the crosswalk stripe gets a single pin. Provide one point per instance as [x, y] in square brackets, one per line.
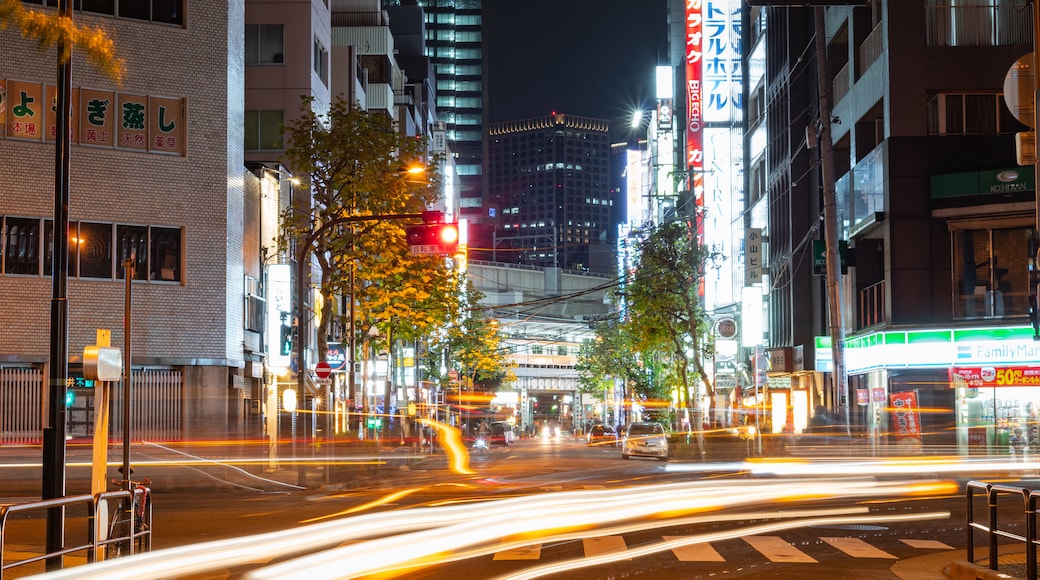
[532, 552]
[775, 548]
[695, 552]
[603, 545]
[778, 550]
[857, 548]
[927, 544]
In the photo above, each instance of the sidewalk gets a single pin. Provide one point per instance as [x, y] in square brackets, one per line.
[954, 565]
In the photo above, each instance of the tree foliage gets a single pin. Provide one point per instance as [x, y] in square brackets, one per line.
[471, 345]
[352, 163]
[660, 340]
[665, 303]
[51, 28]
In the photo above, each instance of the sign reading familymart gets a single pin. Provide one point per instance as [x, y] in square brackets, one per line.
[934, 348]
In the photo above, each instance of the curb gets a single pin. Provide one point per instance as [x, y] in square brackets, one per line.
[960, 570]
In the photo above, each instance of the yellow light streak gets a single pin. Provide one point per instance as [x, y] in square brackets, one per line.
[451, 440]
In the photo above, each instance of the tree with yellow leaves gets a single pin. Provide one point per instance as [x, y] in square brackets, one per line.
[51, 28]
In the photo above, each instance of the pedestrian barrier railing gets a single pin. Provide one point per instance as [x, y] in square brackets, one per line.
[995, 529]
[80, 519]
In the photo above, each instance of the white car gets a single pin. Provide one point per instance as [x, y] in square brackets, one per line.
[645, 440]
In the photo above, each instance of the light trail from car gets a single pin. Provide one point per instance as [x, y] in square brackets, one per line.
[371, 543]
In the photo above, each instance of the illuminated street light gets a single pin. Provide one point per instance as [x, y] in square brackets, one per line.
[637, 118]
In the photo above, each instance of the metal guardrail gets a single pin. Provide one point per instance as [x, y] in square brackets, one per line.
[993, 529]
[97, 532]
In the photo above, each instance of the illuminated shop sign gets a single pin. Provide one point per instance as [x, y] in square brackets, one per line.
[694, 56]
[934, 348]
[721, 60]
[1014, 376]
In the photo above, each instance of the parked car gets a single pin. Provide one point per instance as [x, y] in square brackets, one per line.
[600, 435]
[645, 440]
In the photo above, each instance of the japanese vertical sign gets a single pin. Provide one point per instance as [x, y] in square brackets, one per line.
[721, 62]
[51, 115]
[752, 256]
[906, 419]
[694, 121]
[694, 57]
[25, 110]
[131, 122]
[97, 117]
[166, 125]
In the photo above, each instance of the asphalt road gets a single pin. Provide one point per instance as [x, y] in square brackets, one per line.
[540, 468]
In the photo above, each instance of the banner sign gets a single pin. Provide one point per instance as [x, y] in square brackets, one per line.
[906, 420]
[1016, 376]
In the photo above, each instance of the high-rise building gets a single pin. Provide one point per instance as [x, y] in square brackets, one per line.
[454, 34]
[936, 211]
[550, 187]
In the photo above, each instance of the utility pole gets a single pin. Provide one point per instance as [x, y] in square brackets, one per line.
[53, 484]
[1036, 128]
[830, 224]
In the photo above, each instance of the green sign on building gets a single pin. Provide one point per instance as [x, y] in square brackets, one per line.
[819, 257]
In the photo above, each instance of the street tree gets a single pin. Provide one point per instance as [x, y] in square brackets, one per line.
[470, 345]
[618, 355]
[353, 165]
[665, 308]
[52, 29]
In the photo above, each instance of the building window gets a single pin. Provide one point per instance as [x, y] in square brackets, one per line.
[561, 350]
[536, 349]
[165, 255]
[264, 44]
[970, 114]
[991, 279]
[94, 248]
[132, 241]
[263, 131]
[164, 11]
[21, 241]
[321, 62]
[255, 305]
[955, 23]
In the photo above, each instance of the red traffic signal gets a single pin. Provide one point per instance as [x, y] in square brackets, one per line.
[433, 238]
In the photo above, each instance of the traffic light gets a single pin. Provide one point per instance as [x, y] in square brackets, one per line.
[433, 238]
[70, 398]
[286, 342]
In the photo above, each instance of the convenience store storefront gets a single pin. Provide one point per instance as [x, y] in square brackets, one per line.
[968, 388]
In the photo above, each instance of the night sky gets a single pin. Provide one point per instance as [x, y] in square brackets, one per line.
[593, 58]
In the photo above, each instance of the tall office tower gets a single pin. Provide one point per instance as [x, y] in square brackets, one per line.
[550, 181]
[454, 45]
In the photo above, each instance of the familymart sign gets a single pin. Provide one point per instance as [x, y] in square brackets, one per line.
[933, 348]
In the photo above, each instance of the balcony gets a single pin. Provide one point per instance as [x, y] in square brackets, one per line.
[860, 193]
[872, 309]
[871, 49]
[840, 84]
